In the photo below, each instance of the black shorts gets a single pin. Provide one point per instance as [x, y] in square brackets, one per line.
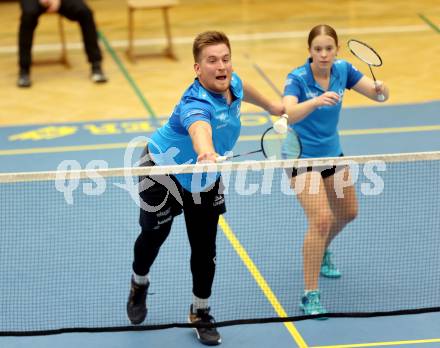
[162, 198]
[325, 171]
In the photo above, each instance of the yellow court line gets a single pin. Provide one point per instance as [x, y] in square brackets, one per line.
[55, 149]
[381, 344]
[242, 138]
[244, 256]
[390, 130]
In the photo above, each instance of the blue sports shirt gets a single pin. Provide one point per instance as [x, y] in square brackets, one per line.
[171, 143]
[318, 131]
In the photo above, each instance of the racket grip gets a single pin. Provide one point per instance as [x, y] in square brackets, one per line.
[280, 125]
[380, 97]
[220, 159]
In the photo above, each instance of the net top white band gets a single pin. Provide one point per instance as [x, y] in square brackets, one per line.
[218, 167]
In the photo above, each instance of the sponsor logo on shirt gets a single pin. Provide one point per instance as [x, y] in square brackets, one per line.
[222, 116]
[194, 112]
[310, 94]
[222, 125]
[237, 111]
[341, 94]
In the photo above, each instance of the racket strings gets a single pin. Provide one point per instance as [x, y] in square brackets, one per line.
[364, 52]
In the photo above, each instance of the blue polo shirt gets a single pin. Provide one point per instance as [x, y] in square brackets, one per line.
[171, 143]
[318, 131]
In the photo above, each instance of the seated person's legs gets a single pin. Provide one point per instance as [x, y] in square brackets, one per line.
[30, 12]
[77, 10]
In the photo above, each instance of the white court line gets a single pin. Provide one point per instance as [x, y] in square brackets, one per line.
[234, 38]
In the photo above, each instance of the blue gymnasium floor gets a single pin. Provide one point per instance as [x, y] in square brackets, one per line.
[372, 130]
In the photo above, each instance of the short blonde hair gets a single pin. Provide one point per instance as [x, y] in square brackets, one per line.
[209, 38]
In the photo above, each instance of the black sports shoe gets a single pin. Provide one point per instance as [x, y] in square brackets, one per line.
[97, 75]
[24, 79]
[136, 304]
[207, 334]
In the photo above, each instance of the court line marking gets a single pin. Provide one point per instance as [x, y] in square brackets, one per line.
[266, 78]
[264, 286]
[281, 35]
[429, 22]
[410, 129]
[380, 344]
[73, 148]
[112, 146]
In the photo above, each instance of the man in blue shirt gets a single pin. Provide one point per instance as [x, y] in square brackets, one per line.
[204, 125]
[313, 99]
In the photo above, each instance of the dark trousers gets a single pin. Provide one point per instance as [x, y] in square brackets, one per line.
[202, 232]
[201, 224]
[75, 10]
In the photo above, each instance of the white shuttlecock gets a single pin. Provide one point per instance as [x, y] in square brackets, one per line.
[280, 126]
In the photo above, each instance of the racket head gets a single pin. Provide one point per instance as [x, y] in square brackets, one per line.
[278, 146]
[364, 52]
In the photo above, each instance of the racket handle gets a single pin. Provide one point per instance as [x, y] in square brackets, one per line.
[280, 126]
[380, 97]
[220, 159]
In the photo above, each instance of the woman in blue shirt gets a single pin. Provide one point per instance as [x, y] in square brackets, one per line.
[313, 97]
